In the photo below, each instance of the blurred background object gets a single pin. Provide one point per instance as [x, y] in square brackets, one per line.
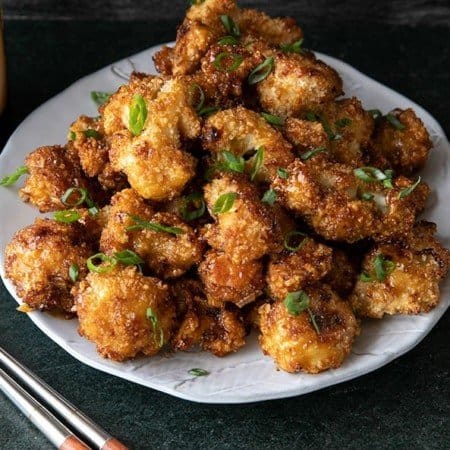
[2, 66]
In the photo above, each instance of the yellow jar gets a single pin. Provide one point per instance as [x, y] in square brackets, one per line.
[2, 65]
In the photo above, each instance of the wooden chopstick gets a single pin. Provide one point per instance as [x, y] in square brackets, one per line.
[57, 433]
[72, 415]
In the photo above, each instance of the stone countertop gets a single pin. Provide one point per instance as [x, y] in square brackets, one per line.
[402, 405]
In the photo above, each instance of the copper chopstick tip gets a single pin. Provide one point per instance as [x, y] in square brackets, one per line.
[113, 444]
[72, 443]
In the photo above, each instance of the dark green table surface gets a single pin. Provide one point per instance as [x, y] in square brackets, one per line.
[403, 405]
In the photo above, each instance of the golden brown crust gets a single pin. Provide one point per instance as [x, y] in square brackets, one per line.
[293, 342]
[413, 286]
[37, 261]
[113, 313]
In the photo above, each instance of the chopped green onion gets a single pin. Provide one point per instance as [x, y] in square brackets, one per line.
[365, 277]
[405, 192]
[193, 87]
[372, 175]
[282, 173]
[128, 258]
[100, 97]
[9, 180]
[295, 47]
[273, 120]
[375, 114]
[311, 116]
[259, 159]
[112, 262]
[68, 216]
[311, 153]
[341, 123]
[269, 197]
[288, 245]
[261, 71]
[73, 272]
[395, 122]
[196, 372]
[72, 135]
[207, 111]
[296, 302]
[188, 212]
[332, 136]
[235, 63]
[82, 192]
[138, 115]
[312, 318]
[383, 267]
[155, 325]
[367, 196]
[141, 224]
[90, 133]
[224, 203]
[232, 163]
[230, 25]
[228, 40]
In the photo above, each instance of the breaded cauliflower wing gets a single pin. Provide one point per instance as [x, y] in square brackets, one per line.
[403, 277]
[293, 341]
[38, 260]
[124, 313]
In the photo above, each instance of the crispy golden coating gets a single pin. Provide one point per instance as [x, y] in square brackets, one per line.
[298, 83]
[329, 196]
[413, 285]
[52, 170]
[248, 230]
[405, 150]
[344, 270]
[37, 261]
[291, 271]
[154, 162]
[350, 128]
[293, 342]
[227, 280]
[305, 135]
[168, 255]
[241, 132]
[115, 311]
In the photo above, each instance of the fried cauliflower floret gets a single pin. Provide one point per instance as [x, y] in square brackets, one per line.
[52, 171]
[305, 135]
[219, 331]
[226, 280]
[331, 198]
[154, 162]
[38, 259]
[124, 313]
[405, 150]
[248, 230]
[349, 127]
[242, 132]
[292, 340]
[298, 83]
[168, 254]
[409, 281]
[292, 271]
[342, 276]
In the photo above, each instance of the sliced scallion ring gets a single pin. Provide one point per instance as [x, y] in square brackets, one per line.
[111, 263]
[261, 71]
[291, 246]
[395, 122]
[66, 216]
[407, 191]
[236, 61]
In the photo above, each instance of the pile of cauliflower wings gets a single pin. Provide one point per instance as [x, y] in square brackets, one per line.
[237, 189]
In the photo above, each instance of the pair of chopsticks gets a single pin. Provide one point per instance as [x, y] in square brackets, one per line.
[55, 431]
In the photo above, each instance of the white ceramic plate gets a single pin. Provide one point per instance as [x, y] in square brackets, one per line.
[248, 375]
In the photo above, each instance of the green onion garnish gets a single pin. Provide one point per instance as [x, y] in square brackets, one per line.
[9, 180]
[311, 116]
[332, 136]
[292, 236]
[393, 120]
[67, 216]
[72, 136]
[282, 173]
[405, 192]
[232, 163]
[261, 71]
[273, 120]
[128, 258]
[259, 159]
[82, 192]
[372, 175]
[224, 203]
[341, 123]
[112, 262]
[90, 133]
[207, 111]
[375, 114]
[269, 197]
[296, 303]
[310, 153]
[155, 325]
[236, 61]
[295, 47]
[193, 206]
[100, 97]
[228, 40]
[230, 25]
[383, 267]
[73, 272]
[140, 224]
[196, 372]
[367, 196]
[193, 87]
[138, 115]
